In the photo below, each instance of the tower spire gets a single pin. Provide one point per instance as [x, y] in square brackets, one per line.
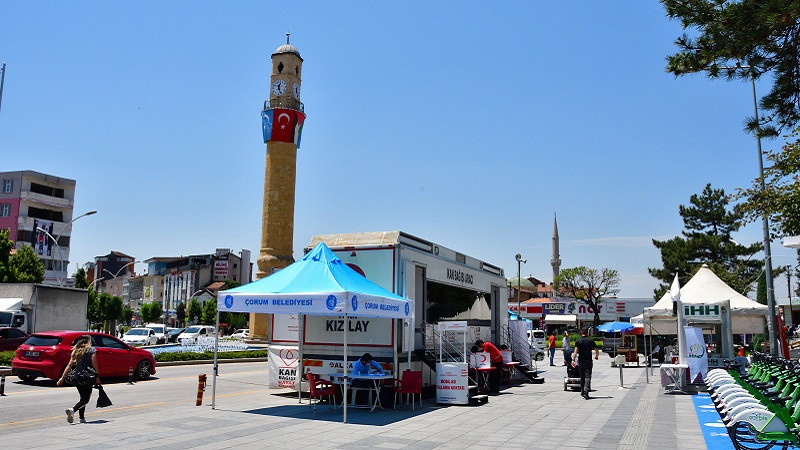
[555, 261]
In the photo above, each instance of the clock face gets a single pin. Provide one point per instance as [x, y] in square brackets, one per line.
[278, 87]
[296, 91]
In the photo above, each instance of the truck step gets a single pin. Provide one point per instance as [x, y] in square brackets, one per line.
[478, 399]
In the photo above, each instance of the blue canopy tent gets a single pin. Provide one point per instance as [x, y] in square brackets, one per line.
[318, 284]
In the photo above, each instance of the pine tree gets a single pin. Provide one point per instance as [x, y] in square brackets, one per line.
[706, 239]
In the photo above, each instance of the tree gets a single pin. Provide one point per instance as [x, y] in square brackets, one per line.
[112, 312]
[180, 312]
[150, 312]
[588, 286]
[127, 315]
[761, 288]
[209, 316]
[742, 40]
[21, 267]
[26, 265]
[93, 310]
[780, 198]
[706, 239]
[195, 311]
[80, 279]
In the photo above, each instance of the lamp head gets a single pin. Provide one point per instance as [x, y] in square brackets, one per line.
[518, 257]
[94, 211]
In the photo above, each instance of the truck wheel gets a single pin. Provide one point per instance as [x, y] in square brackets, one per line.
[143, 370]
[27, 378]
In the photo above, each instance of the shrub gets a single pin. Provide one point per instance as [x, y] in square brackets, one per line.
[6, 357]
[197, 356]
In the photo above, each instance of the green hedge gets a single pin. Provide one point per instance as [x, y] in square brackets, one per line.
[6, 357]
[195, 356]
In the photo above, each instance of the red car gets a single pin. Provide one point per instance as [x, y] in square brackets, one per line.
[11, 338]
[46, 355]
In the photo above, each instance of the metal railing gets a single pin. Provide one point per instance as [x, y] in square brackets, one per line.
[288, 103]
[447, 352]
[517, 344]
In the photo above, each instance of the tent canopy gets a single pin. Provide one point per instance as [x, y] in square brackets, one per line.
[747, 316]
[318, 284]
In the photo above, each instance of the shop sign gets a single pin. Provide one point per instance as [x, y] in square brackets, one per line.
[702, 311]
[558, 308]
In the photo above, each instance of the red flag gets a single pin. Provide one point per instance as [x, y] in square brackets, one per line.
[283, 125]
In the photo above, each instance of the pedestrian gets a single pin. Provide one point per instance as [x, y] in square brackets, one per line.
[83, 356]
[565, 346]
[551, 344]
[496, 359]
[583, 351]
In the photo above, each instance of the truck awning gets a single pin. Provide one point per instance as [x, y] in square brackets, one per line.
[561, 319]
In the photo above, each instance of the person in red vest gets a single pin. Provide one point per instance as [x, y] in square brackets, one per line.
[552, 347]
[496, 359]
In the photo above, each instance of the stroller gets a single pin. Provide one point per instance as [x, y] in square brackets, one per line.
[573, 378]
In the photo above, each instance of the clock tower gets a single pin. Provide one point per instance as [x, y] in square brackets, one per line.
[282, 122]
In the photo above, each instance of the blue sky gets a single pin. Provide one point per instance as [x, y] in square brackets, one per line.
[465, 123]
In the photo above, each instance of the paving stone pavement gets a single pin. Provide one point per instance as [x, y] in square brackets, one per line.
[542, 416]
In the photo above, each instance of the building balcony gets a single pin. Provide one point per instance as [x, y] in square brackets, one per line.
[59, 228]
[287, 103]
[47, 200]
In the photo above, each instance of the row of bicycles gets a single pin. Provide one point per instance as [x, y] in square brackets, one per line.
[760, 407]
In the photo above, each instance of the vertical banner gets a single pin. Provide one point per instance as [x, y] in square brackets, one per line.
[519, 331]
[282, 366]
[697, 357]
[40, 242]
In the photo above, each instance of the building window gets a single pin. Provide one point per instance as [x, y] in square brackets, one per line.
[5, 209]
[8, 186]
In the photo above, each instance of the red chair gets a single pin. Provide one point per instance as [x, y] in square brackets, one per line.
[410, 384]
[317, 389]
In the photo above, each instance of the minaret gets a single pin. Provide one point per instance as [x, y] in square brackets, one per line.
[282, 122]
[555, 261]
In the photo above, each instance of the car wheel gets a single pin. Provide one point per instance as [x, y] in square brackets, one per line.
[540, 357]
[143, 370]
[27, 378]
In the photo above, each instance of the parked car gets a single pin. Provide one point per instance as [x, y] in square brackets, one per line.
[537, 338]
[161, 332]
[140, 336]
[11, 338]
[240, 334]
[537, 354]
[173, 333]
[47, 354]
[196, 331]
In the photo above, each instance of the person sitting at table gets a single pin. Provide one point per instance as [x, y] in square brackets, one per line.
[496, 359]
[362, 366]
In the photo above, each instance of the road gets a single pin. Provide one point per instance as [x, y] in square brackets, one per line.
[31, 406]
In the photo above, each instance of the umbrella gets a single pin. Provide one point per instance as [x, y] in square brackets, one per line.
[615, 327]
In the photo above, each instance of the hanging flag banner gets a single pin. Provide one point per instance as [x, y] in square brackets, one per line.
[283, 125]
[40, 242]
[697, 357]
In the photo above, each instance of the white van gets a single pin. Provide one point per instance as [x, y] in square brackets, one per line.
[537, 338]
[196, 331]
[161, 331]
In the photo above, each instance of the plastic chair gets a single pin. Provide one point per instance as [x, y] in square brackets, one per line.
[317, 389]
[410, 384]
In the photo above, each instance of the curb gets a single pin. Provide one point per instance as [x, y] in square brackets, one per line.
[6, 371]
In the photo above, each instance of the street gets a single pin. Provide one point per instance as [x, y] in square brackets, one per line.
[42, 403]
[160, 413]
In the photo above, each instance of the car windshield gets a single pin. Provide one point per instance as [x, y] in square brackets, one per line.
[43, 341]
[157, 329]
[193, 330]
[138, 331]
[175, 331]
[5, 319]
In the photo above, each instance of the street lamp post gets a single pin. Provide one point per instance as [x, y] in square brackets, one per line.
[773, 342]
[58, 236]
[519, 259]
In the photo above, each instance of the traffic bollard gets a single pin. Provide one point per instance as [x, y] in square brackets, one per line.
[201, 386]
[2, 385]
[130, 376]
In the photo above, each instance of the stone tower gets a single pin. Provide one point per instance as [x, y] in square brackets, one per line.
[555, 261]
[282, 122]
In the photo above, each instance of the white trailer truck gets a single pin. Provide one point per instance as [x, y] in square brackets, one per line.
[34, 307]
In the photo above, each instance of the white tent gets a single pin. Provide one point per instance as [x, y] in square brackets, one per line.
[705, 287]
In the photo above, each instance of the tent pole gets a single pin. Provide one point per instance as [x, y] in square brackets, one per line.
[300, 366]
[214, 384]
[396, 360]
[646, 370]
[344, 366]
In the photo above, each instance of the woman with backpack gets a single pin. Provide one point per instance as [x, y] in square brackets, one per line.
[84, 362]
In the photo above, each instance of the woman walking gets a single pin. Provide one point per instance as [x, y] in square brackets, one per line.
[83, 357]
